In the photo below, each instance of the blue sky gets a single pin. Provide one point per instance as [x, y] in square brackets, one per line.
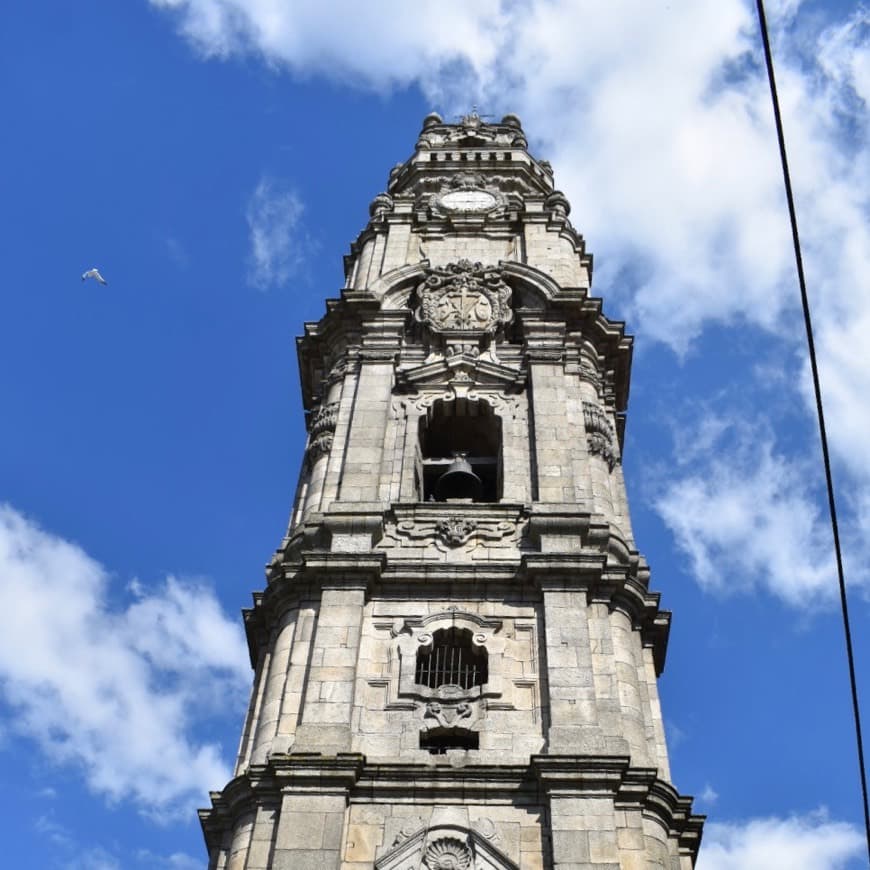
[214, 158]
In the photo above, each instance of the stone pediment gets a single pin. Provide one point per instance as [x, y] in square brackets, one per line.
[461, 371]
[447, 843]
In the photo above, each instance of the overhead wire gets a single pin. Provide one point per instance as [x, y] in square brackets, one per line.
[768, 56]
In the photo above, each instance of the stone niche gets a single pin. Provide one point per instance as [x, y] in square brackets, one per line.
[450, 680]
[409, 837]
[445, 842]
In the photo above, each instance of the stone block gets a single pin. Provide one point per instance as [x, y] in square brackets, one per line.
[304, 859]
[326, 713]
[570, 847]
[602, 847]
[301, 831]
[336, 692]
[322, 737]
[331, 674]
[258, 855]
[629, 838]
[333, 826]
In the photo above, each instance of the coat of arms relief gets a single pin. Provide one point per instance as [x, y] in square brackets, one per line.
[464, 306]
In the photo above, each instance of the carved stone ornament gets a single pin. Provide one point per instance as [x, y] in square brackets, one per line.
[455, 531]
[447, 853]
[590, 373]
[449, 534]
[464, 297]
[445, 841]
[408, 829]
[463, 715]
[339, 369]
[320, 446]
[467, 193]
[321, 430]
[324, 418]
[600, 437]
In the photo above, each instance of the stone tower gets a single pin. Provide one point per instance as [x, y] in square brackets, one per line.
[456, 650]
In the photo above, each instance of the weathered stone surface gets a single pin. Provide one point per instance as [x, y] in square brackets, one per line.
[463, 683]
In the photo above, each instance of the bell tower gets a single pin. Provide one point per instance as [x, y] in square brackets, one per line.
[456, 651]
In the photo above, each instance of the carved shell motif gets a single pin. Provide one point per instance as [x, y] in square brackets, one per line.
[447, 853]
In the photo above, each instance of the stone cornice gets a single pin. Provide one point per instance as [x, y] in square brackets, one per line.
[443, 781]
[632, 788]
[263, 785]
[560, 548]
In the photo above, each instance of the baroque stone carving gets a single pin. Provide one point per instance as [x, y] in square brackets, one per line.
[455, 531]
[463, 715]
[557, 204]
[408, 829]
[451, 533]
[321, 430]
[600, 437]
[444, 842]
[464, 297]
[319, 446]
[324, 418]
[486, 828]
[590, 373]
[471, 130]
[467, 193]
[381, 205]
[503, 404]
[339, 369]
[447, 853]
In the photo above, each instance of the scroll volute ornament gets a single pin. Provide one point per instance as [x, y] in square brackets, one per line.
[321, 430]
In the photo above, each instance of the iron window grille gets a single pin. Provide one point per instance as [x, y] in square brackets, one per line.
[452, 660]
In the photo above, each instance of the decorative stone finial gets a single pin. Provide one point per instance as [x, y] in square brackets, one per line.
[431, 120]
[558, 204]
[472, 120]
[380, 205]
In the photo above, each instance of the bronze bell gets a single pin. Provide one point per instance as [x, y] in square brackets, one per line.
[459, 481]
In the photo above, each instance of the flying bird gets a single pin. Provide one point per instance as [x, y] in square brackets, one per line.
[95, 274]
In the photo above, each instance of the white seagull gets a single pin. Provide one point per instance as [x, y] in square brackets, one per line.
[95, 274]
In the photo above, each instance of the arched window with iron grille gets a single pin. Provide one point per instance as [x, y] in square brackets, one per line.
[452, 660]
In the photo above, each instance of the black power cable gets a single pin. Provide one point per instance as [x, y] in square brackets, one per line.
[821, 414]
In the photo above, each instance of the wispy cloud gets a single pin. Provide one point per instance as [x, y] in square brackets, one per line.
[93, 859]
[117, 692]
[175, 861]
[74, 855]
[812, 842]
[176, 252]
[670, 160]
[709, 795]
[278, 245]
[744, 514]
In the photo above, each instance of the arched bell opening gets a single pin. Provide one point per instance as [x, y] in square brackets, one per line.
[460, 452]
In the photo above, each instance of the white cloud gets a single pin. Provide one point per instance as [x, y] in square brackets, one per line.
[114, 691]
[745, 516]
[403, 43]
[658, 121]
[52, 830]
[709, 796]
[811, 842]
[175, 861]
[278, 246]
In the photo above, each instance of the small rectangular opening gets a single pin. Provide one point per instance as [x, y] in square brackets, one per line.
[438, 742]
